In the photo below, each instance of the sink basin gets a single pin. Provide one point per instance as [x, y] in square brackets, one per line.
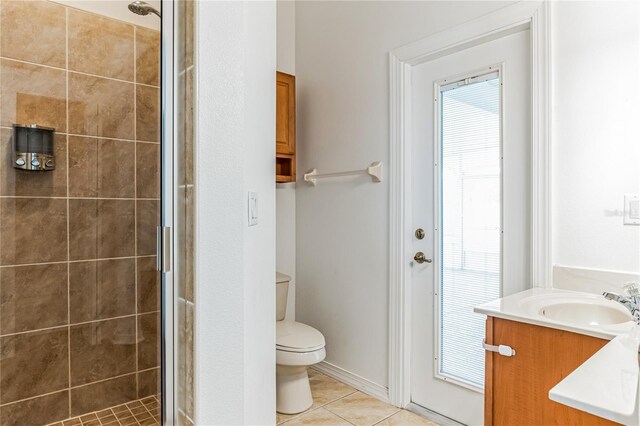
[585, 314]
[580, 309]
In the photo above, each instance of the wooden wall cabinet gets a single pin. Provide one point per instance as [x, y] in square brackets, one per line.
[285, 127]
[517, 388]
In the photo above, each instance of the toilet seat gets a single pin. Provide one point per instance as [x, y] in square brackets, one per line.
[302, 359]
[296, 337]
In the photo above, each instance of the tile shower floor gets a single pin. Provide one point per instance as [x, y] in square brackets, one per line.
[145, 412]
[336, 404]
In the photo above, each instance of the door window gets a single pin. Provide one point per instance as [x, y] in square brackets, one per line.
[470, 221]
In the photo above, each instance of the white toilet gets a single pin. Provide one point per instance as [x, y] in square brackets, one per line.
[298, 346]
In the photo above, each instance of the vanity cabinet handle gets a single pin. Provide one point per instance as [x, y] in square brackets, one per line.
[503, 350]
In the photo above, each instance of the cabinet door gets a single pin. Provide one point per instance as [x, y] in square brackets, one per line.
[517, 388]
[285, 113]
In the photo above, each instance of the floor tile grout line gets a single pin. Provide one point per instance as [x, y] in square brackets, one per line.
[131, 412]
[356, 391]
[117, 418]
[316, 409]
[390, 415]
[339, 416]
[319, 406]
[342, 397]
[145, 407]
[322, 405]
[339, 399]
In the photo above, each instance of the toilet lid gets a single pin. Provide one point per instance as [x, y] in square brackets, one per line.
[282, 278]
[294, 336]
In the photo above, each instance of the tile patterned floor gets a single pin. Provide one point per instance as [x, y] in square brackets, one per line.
[143, 412]
[336, 404]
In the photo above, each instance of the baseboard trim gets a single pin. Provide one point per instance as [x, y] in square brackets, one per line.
[353, 380]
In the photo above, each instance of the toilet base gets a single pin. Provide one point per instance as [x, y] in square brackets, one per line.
[293, 392]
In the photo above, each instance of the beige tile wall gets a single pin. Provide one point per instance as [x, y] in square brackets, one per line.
[184, 217]
[79, 294]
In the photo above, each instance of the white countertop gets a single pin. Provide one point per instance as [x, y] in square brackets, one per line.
[521, 307]
[606, 385]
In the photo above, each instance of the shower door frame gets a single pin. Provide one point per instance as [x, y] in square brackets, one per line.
[168, 188]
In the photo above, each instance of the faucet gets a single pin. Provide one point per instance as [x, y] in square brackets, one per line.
[631, 301]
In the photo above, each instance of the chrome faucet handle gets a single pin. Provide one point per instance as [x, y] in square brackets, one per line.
[633, 290]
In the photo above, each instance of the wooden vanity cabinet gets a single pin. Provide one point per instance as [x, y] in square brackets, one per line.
[285, 127]
[517, 387]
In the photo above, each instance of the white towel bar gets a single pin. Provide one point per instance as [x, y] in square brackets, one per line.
[374, 170]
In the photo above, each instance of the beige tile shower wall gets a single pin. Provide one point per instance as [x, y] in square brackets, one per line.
[79, 294]
[184, 217]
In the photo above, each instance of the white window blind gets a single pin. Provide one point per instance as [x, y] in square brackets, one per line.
[470, 203]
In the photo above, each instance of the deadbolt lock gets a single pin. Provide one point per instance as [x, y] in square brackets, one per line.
[421, 258]
[420, 233]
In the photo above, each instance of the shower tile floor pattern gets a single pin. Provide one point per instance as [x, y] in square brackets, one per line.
[145, 412]
[337, 404]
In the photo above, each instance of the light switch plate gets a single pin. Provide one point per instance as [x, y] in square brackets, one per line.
[632, 209]
[253, 208]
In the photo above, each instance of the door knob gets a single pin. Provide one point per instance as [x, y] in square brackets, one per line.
[421, 258]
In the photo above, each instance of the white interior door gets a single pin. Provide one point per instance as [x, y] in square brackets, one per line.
[471, 150]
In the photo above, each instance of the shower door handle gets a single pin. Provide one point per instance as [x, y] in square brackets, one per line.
[163, 249]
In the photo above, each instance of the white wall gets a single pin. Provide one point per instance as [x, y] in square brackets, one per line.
[595, 133]
[235, 265]
[286, 192]
[286, 240]
[259, 172]
[343, 123]
[286, 36]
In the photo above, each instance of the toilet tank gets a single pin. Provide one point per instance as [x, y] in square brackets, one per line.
[282, 289]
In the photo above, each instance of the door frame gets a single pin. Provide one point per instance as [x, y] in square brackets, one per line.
[532, 15]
